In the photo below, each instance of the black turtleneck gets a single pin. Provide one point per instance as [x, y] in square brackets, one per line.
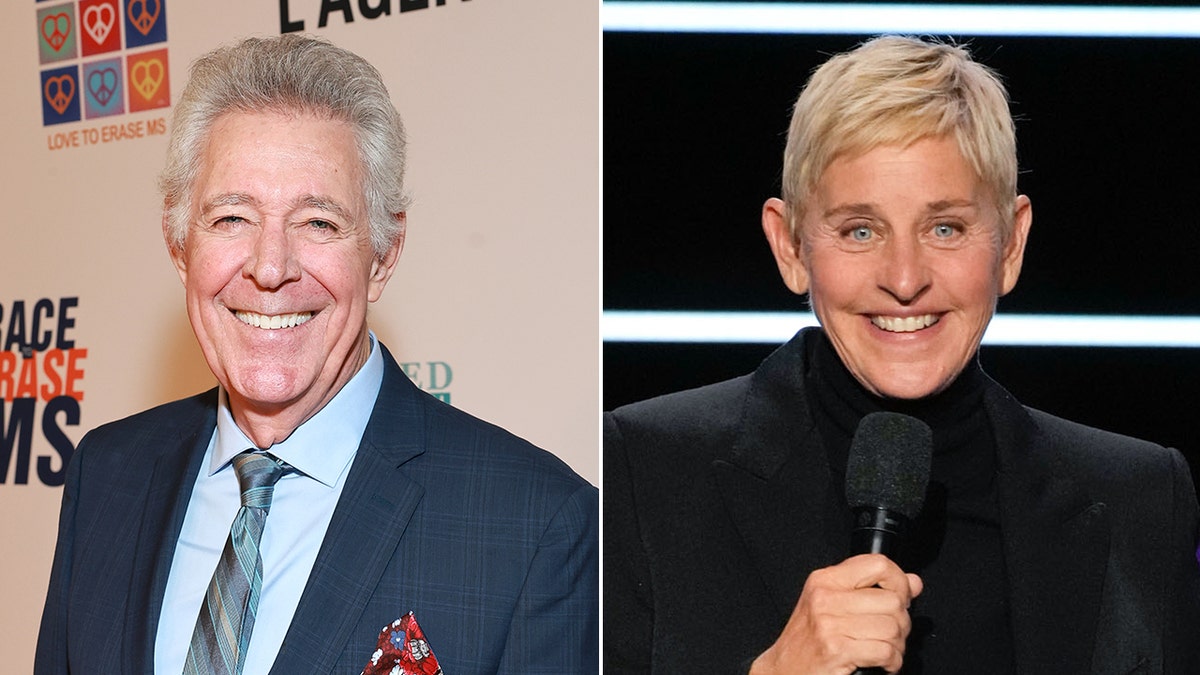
[960, 621]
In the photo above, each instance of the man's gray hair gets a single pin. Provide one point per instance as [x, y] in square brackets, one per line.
[290, 74]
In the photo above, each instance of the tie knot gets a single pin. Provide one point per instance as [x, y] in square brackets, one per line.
[257, 473]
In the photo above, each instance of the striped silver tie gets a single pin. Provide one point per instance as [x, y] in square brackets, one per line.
[223, 628]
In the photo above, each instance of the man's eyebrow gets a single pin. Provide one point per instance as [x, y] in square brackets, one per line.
[227, 199]
[322, 203]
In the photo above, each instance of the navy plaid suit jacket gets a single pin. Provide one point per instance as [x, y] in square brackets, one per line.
[491, 541]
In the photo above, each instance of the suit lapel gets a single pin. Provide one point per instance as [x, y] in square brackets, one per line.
[776, 482]
[1055, 545]
[372, 513]
[180, 452]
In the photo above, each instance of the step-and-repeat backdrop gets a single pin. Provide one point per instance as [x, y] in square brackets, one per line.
[493, 307]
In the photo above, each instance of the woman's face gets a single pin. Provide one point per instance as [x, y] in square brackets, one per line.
[900, 251]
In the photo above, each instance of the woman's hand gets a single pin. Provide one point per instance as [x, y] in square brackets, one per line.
[851, 615]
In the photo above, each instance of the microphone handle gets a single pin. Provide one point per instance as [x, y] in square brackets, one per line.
[877, 530]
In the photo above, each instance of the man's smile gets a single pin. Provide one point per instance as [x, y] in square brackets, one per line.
[273, 322]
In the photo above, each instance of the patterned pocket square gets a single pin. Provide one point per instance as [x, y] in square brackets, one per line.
[402, 650]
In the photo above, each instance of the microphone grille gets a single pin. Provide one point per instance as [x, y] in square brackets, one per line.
[889, 463]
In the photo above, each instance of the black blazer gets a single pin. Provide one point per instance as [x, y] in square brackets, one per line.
[717, 506]
[490, 541]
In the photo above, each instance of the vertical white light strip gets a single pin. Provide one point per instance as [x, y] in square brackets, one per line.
[873, 18]
[1031, 330]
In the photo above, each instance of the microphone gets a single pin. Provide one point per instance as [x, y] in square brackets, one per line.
[887, 473]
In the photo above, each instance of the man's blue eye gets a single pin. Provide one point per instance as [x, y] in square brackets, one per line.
[860, 233]
[944, 230]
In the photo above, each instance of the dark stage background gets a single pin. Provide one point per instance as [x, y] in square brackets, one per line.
[1107, 133]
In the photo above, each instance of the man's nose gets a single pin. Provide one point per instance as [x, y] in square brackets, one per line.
[273, 260]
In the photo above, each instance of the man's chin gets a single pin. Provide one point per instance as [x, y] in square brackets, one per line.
[279, 390]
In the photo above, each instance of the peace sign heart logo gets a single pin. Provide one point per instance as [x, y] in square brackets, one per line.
[56, 28]
[140, 15]
[98, 21]
[147, 76]
[102, 84]
[59, 91]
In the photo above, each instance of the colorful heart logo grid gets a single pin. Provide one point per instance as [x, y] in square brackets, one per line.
[103, 85]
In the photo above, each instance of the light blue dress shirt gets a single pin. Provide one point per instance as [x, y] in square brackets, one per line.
[321, 451]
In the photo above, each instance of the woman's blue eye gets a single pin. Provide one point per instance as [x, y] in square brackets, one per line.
[860, 233]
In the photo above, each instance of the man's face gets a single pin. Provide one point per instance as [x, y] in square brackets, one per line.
[902, 257]
[278, 267]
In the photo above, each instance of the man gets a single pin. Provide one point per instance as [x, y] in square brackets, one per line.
[1042, 546]
[374, 522]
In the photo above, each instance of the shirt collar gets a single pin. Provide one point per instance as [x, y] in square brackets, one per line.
[322, 447]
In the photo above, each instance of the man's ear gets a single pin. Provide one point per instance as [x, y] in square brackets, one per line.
[174, 249]
[384, 265]
[785, 246]
[1014, 250]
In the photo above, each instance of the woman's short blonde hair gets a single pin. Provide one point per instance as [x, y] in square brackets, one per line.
[896, 90]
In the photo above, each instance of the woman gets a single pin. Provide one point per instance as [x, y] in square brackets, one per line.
[1043, 546]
